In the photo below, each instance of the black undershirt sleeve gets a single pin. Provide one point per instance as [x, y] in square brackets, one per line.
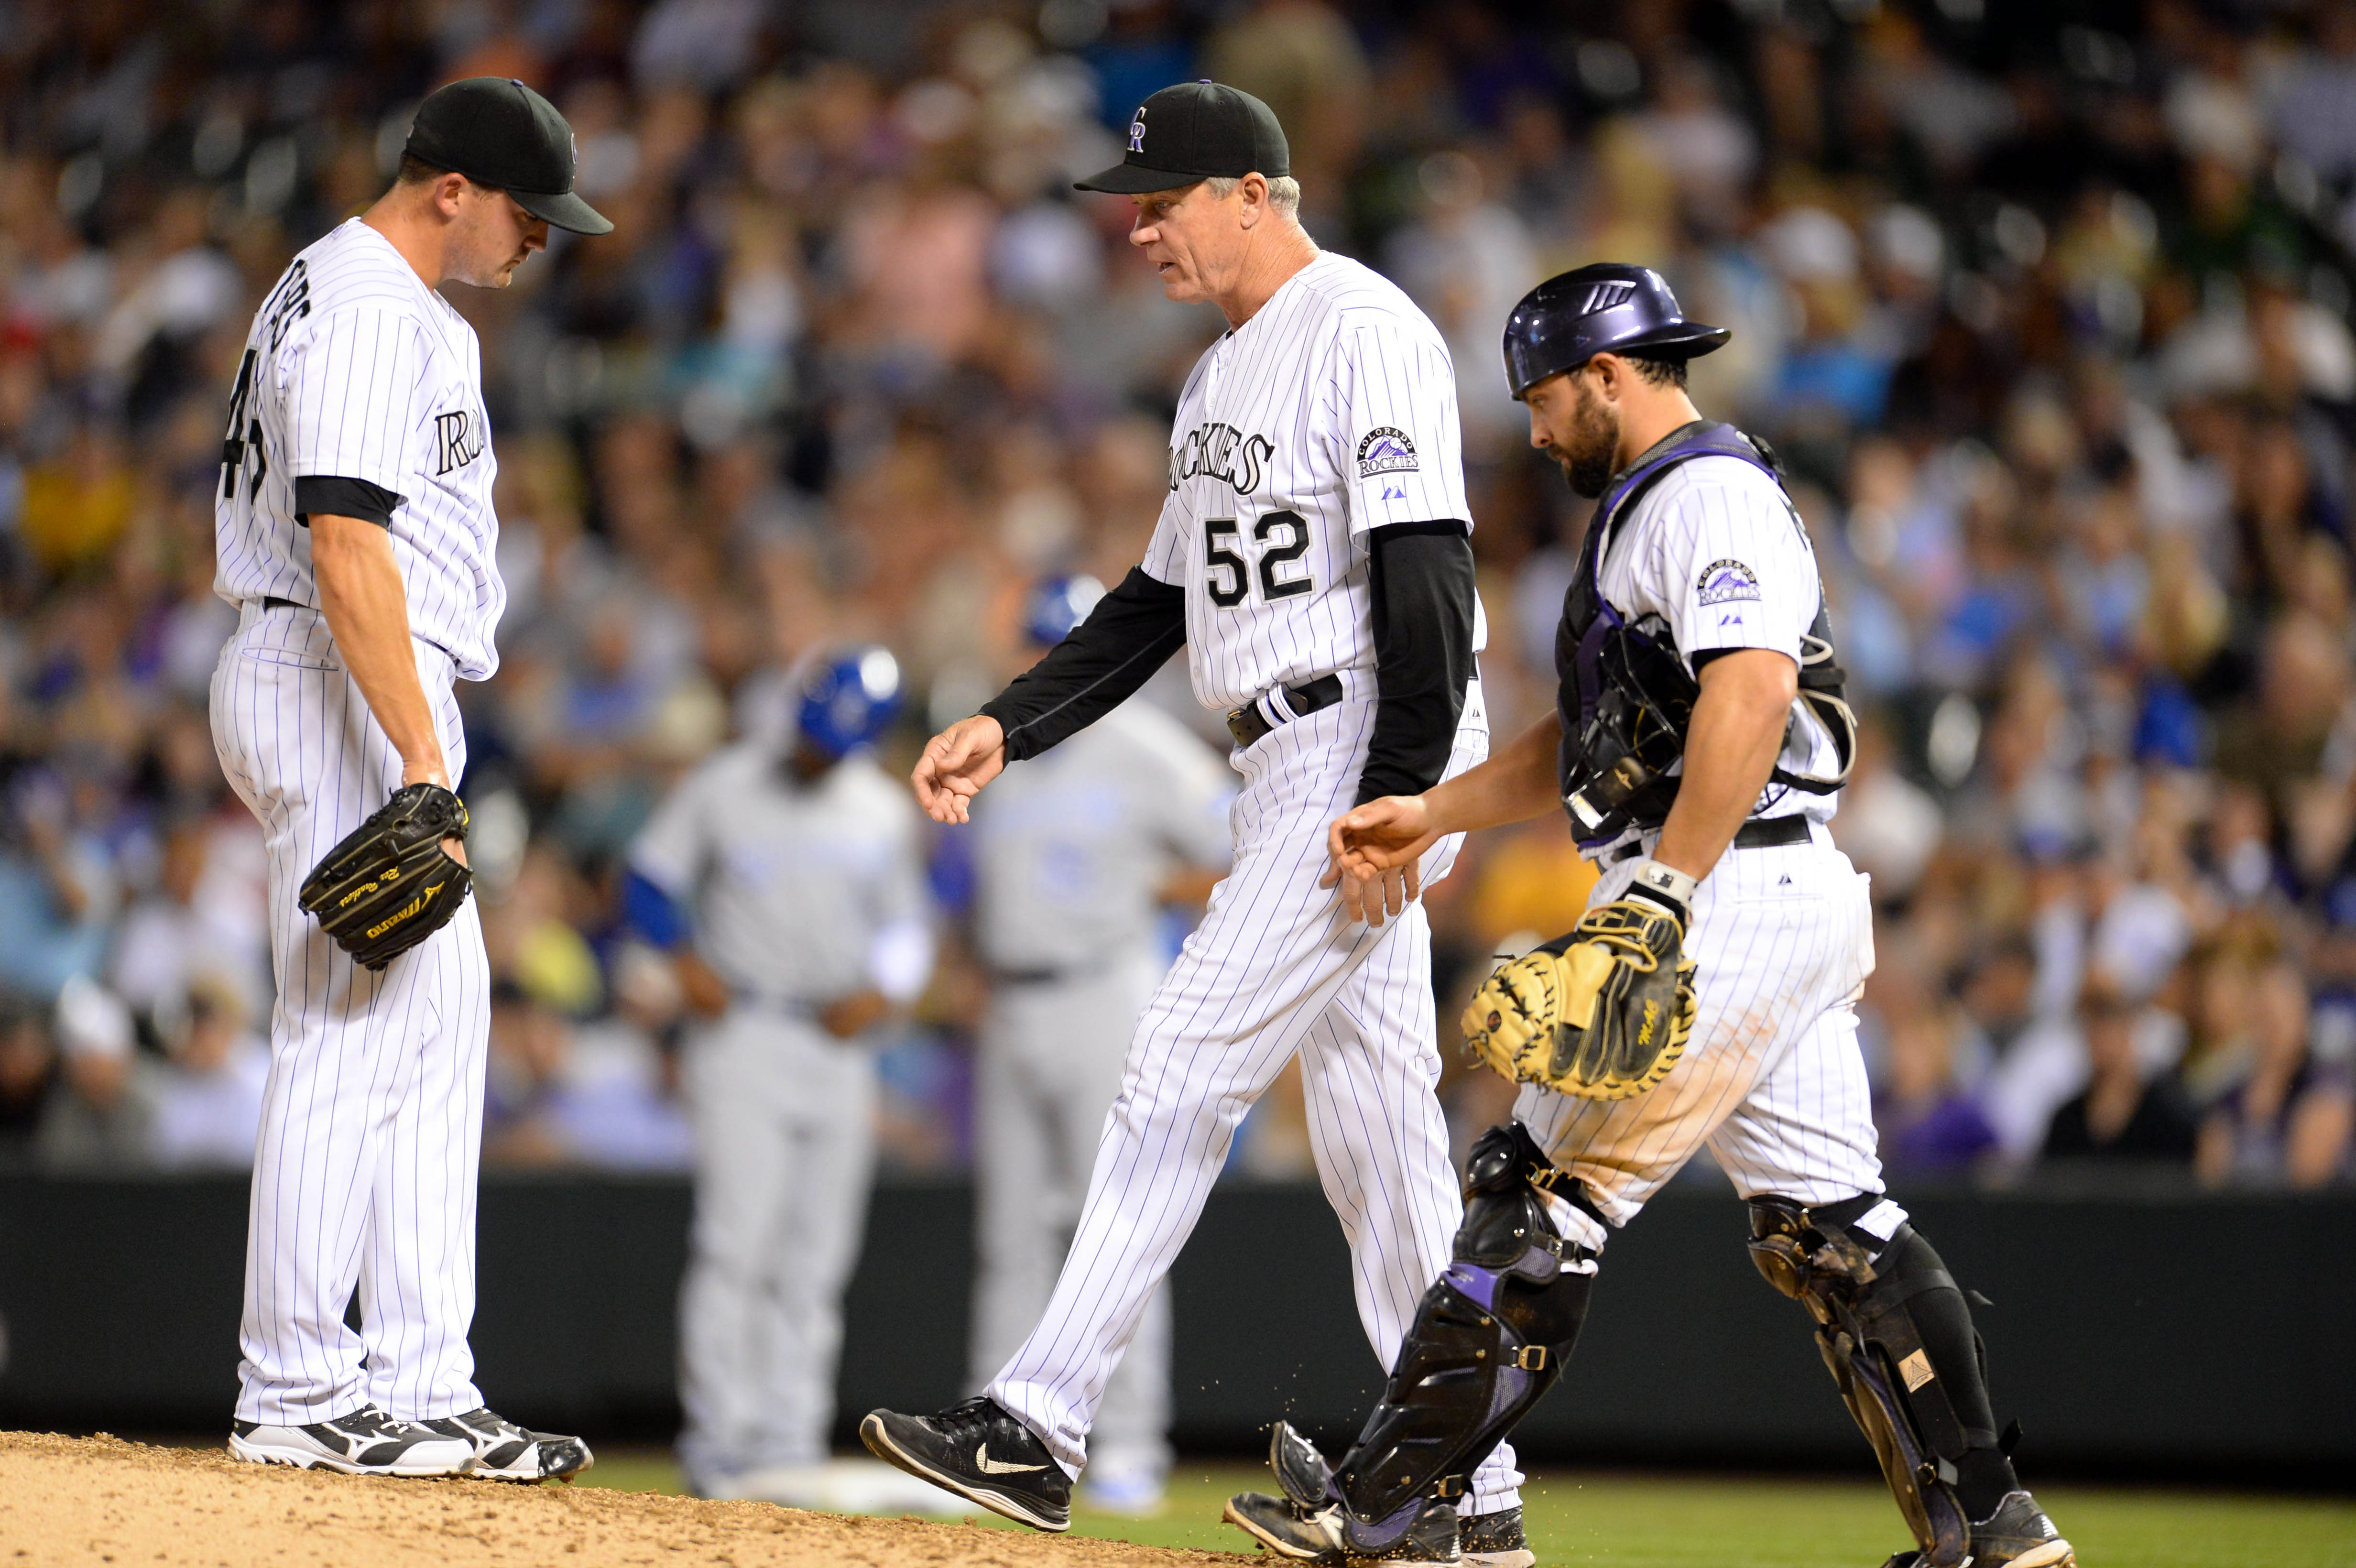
[1132, 633]
[1420, 575]
[341, 498]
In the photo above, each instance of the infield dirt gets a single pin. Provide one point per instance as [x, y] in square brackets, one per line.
[71, 1501]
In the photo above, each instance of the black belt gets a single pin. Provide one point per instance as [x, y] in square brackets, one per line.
[1758, 833]
[1772, 832]
[1249, 725]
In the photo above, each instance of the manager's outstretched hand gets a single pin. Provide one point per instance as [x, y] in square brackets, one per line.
[1377, 852]
[957, 763]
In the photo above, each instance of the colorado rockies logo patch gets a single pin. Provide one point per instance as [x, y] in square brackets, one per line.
[1136, 131]
[1724, 581]
[1384, 451]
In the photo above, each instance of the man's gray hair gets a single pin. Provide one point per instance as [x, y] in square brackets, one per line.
[1283, 192]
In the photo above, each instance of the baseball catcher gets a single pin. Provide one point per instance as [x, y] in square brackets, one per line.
[391, 884]
[1699, 744]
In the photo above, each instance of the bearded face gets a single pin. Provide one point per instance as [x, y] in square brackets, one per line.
[1576, 428]
[1587, 449]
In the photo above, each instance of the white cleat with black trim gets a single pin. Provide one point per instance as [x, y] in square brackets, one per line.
[506, 1452]
[368, 1442]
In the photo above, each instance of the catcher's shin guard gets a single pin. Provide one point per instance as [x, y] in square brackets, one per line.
[1489, 1337]
[1923, 1407]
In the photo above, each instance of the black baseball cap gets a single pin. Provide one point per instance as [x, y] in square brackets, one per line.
[1195, 131]
[499, 132]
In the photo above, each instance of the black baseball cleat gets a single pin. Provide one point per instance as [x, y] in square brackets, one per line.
[1322, 1536]
[506, 1452]
[1300, 1470]
[2016, 1535]
[1316, 1535]
[1429, 1541]
[1305, 1524]
[368, 1442]
[979, 1452]
[1287, 1529]
[1496, 1540]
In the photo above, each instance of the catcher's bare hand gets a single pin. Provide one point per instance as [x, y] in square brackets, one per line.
[1376, 856]
[957, 763]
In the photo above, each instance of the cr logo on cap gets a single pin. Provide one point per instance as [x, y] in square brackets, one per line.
[1136, 131]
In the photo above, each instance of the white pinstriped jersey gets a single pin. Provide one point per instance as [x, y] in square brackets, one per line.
[1328, 414]
[1716, 551]
[355, 369]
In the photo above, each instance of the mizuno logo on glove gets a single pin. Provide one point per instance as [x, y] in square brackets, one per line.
[378, 892]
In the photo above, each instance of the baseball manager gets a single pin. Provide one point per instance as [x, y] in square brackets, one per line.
[1313, 557]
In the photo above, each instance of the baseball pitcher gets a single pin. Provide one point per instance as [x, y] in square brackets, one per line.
[355, 534]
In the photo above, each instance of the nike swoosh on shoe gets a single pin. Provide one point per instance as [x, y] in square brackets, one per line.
[990, 1466]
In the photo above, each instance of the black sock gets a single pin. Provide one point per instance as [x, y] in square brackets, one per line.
[1982, 1478]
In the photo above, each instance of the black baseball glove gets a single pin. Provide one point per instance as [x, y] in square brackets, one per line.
[389, 884]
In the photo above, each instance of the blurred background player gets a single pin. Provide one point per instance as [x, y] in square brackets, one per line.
[1074, 856]
[787, 877]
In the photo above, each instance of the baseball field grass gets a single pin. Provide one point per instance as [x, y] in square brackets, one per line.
[1668, 1520]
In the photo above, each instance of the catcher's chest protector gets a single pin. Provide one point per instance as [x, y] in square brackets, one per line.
[1624, 693]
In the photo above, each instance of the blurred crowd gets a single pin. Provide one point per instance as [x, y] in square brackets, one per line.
[2045, 307]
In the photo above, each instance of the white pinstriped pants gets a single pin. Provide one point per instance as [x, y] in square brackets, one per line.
[1772, 1080]
[1275, 969]
[371, 1121]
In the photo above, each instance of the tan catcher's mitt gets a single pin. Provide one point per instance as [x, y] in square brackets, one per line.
[1600, 1014]
[389, 884]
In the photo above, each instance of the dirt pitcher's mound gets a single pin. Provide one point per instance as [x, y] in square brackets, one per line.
[96, 1500]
